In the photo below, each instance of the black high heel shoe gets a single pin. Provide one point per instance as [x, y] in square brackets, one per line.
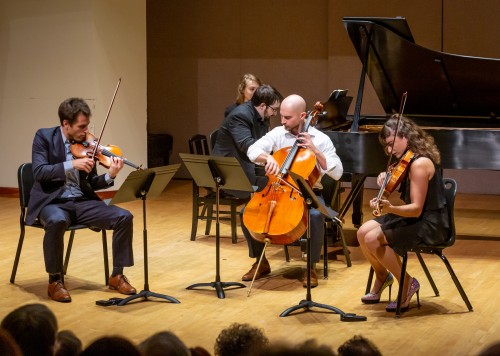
[374, 298]
[414, 288]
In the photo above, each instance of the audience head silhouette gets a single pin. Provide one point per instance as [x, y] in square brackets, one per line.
[491, 350]
[111, 345]
[33, 327]
[358, 346]
[309, 348]
[8, 345]
[239, 339]
[162, 344]
[67, 344]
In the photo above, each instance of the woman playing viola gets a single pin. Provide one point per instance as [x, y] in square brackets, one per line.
[422, 218]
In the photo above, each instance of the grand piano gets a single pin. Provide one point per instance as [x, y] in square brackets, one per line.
[456, 98]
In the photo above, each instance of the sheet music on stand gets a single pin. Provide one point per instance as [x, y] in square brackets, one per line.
[229, 168]
[135, 182]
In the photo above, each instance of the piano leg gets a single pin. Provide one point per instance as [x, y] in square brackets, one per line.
[357, 204]
[352, 198]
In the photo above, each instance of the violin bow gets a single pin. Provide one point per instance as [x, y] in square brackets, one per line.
[106, 119]
[401, 110]
[387, 176]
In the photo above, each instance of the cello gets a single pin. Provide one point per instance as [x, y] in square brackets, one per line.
[277, 214]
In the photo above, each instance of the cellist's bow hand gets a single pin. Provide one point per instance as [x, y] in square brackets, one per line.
[272, 166]
[115, 166]
[381, 178]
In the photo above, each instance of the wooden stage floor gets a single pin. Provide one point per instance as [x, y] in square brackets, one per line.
[442, 326]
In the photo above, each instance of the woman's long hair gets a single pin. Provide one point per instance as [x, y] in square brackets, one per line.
[419, 141]
[245, 80]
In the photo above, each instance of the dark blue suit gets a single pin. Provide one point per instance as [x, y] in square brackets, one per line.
[48, 156]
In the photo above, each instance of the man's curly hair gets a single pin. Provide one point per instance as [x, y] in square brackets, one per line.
[239, 339]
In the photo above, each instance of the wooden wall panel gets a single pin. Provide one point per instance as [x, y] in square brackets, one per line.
[198, 50]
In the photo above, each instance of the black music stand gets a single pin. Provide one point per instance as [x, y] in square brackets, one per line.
[215, 172]
[312, 202]
[139, 185]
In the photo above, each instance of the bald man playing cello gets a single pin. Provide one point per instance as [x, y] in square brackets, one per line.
[293, 113]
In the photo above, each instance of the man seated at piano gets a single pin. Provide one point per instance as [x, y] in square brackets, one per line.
[293, 114]
[422, 218]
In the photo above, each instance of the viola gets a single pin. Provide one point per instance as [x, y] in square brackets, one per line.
[91, 148]
[278, 213]
[393, 178]
[394, 173]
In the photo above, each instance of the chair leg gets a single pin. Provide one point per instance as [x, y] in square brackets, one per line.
[68, 251]
[401, 284]
[194, 221]
[105, 253]
[427, 273]
[18, 254]
[234, 236]
[457, 282]
[287, 255]
[370, 280]
[344, 246]
[325, 255]
[210, 216]
[203, 214]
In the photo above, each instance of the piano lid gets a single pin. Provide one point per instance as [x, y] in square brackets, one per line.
[438, 84]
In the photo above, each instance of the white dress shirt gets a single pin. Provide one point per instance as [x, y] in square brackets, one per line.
[278, 138]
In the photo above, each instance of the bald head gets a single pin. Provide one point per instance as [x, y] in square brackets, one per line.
[294, 103]
[292, 112]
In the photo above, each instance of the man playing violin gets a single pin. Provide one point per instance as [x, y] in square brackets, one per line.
[63, 195]
[293, 114]
[423, 218]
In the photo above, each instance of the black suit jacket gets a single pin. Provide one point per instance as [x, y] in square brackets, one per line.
[239, 130]
[48, 156]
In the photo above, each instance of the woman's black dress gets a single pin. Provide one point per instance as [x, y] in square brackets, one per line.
[430, 228]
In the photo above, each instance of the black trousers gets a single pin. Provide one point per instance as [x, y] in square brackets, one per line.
[57, 217]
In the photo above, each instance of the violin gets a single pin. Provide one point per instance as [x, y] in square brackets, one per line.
[103, 154]
[393, 178]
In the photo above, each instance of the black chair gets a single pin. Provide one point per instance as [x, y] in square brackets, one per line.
[198, 144]
[159, 149]
[25, 182]
[330, 194]
[450, 192]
